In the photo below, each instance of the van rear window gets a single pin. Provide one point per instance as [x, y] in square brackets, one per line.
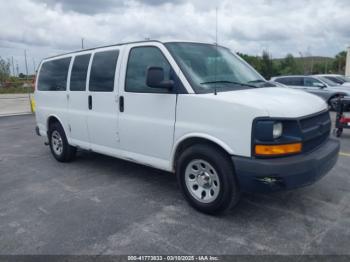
[53, 75]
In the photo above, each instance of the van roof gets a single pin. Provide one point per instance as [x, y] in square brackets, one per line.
[98, 47]
[124, 43]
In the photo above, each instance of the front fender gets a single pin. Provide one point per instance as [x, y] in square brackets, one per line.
[207, 137]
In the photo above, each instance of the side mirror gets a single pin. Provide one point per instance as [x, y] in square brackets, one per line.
[155, 78]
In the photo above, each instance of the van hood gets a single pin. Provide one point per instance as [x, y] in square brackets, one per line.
[274, 101]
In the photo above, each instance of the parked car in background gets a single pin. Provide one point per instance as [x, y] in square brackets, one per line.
[317, 85]
[276, 84]
[339, 79]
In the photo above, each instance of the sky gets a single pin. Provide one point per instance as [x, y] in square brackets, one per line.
[49, 27]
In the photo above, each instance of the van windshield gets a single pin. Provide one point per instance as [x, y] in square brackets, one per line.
[209, 67]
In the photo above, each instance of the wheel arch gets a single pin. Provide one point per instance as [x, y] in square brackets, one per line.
[192, 139]
[334, 95]
[55, 119]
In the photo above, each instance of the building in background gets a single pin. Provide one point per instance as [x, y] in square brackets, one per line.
[347, 66]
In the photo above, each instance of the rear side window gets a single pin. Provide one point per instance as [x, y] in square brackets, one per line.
[53, 75]
[291, 81]
[282, 80]
[103, 71]
[297, 81]
[140, 59]
[79, 73]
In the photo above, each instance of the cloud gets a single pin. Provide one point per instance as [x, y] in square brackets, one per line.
[82, 6]
[49, 27]
[92, 7]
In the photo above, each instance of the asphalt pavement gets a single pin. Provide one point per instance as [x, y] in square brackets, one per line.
[102, 205]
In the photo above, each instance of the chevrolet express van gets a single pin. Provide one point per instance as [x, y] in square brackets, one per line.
[193, 109]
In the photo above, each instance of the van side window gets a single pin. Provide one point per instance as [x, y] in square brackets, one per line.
[79, 73]
[103, 71]
[53, 75]
[140, 59]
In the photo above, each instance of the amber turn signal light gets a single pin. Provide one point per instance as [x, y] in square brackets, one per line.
[275, 150]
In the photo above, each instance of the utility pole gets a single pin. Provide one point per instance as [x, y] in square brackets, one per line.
[26, 64]
[17, 68]
[13, 67]
[9, 64]
[303, 62]
[34, 66]
[82, 43]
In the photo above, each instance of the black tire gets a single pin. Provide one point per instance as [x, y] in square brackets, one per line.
[228, 193]
[68, 152]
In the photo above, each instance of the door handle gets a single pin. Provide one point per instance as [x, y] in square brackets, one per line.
[121, 103]
[90, 102]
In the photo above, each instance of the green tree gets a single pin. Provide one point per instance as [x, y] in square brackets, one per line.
[289, 66]
[268, 69]
[254, 61]
[319, 68]
[4, 70]
[339, 63]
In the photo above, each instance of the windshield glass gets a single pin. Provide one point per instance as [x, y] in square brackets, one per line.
[344, 78]
[328, 82]
[208, 67]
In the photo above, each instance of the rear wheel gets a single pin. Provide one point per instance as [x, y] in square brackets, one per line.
[58, 142]
[206, 178]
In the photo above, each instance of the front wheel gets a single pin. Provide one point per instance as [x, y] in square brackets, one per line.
[207, 180]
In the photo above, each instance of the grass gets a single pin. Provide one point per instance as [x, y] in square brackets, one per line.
[15, 90]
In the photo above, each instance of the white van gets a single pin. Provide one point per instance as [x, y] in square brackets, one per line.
[194, 109]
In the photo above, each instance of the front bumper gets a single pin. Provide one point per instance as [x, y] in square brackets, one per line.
[263, 175]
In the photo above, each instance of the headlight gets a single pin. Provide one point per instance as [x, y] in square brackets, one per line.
[277, 130]
[276, 137]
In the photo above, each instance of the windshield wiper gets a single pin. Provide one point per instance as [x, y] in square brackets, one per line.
[257, 81]
[228, 82]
